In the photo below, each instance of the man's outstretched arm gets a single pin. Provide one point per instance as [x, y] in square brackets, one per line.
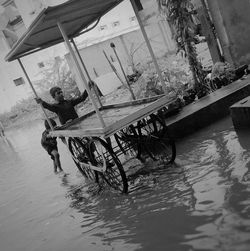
[80, 99]
[46, 105]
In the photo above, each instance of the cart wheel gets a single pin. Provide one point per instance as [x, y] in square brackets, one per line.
[153, 125]
[125, 145]
[79, 152]
[155, 139]
[102, 156]
[161, 148]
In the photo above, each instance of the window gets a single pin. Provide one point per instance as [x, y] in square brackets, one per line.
[132, 19]
[19, 81]
[11, 14]
[103, 27]
[40, 64]
[116, 23]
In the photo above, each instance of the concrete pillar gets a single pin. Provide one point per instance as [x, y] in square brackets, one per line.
[217, 19]
[208, 32]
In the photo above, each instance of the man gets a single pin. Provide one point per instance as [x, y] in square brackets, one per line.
[65, 109]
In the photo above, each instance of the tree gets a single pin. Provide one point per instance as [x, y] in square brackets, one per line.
[57, 73]
[179, 15]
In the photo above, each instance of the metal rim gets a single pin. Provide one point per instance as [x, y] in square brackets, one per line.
[102, 155]
[81, 158]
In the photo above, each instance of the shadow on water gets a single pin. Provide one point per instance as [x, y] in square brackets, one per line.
[244, 141]
[156, 216]
[244, 138]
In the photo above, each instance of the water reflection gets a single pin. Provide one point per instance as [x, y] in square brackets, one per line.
[6, 147]
[219, 191]
[144, 219]
[199, 203]
[195, 204]
[244, 140]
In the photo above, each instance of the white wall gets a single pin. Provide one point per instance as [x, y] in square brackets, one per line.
[9, 93]
[126, 44]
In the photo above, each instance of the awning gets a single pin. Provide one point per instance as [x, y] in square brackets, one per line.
[74, 15]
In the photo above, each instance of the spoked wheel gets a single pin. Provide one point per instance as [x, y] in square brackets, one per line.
[152, 125]
[160, 148]
[155, 139]
[126, 140]
[103, 157]
[81, 158]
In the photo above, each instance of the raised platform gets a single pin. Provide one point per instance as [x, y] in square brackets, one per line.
[240, 113]
[208, 109]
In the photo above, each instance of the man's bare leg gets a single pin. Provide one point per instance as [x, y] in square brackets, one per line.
[57, 161]
[55, 167]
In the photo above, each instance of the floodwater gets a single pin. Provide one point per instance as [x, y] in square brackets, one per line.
[200, 203]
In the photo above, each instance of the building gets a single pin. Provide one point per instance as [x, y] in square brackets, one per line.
[15, 18]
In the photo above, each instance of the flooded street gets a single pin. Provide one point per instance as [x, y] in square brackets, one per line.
[202, 202]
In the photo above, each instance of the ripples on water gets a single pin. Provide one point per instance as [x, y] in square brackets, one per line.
[202, 202]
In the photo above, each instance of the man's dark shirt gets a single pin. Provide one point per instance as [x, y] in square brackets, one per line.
[65, 109]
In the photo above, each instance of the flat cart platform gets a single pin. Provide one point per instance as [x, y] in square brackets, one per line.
[115, 116]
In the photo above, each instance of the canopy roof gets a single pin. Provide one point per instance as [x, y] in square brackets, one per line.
[74, 15]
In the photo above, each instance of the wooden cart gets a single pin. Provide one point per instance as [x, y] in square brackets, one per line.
[99, 140]
[133, 129]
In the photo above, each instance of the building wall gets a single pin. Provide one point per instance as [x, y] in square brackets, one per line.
[127, 45]
[9, 92]
[130, 45]
[236, 20]
[30, 9]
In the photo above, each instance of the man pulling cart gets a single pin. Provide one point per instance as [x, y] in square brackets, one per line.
[97, 140]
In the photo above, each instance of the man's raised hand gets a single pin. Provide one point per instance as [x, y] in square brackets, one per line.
[38, 100]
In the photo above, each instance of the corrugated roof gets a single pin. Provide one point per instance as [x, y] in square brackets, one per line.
[74, 15]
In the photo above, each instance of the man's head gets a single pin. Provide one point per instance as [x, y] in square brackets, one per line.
[56, 93]
[46, 123]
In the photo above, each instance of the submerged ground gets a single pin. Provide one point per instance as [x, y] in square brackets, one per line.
[199, 203]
